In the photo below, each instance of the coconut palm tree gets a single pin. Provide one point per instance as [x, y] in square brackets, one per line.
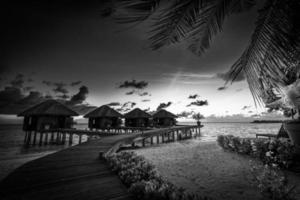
[198, 117]
[273, 49]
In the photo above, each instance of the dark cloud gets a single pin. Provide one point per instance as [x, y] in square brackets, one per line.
[60, 88]
[250, 111]
[146, 100]
[147, 110]
[246, 107]
[222, 88]
[18, 81]
[164, 105]
[194, 96]
[185, 114]
[48, 83]
[134, 84]
[198, 103]
[114, 104]
[63, 96]
[10, 95]
[130, 92]
[128, 104]
[80, 96]
[144, 94]
[75, 83]
[238, 90]
[29, 80]
[225, 76]
[28, 88]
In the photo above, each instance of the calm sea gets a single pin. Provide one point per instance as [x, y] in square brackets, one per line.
[13, 154]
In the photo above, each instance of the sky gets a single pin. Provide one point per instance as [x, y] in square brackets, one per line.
[66, 50]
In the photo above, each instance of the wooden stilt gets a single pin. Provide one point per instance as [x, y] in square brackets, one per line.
[143, 142]
[34, 138]
[70, 138]
[157, 139]
[151, 140]
[41, 139]
[80, 138]
[25, 137]
[46, 139]
[28, 138]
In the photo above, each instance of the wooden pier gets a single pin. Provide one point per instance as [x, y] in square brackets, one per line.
[78, 172]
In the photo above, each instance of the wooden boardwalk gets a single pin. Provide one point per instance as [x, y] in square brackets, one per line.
[73, 173]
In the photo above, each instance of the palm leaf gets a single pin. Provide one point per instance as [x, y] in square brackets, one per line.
[274, 47]
[210, 22]
[136, 10]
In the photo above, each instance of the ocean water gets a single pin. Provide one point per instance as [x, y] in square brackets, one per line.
[14, 154]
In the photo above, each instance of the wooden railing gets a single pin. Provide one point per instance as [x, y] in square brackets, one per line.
[161, 135]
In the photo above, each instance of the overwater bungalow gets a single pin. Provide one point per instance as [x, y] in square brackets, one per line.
[164, 118]
[137, 118]
[104, 117]
[49, 114]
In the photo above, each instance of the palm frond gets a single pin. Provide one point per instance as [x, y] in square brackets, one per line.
[174, 22]
[136, 10]
[274, 47]
[210, 22]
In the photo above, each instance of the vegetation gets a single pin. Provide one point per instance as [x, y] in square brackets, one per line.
[143, 180]
[198, 117]
[273, 49]
[272, 183]
[273, 152]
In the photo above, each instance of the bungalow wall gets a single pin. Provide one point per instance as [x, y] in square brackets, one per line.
[137, 122]
[164, 121]
[35, 123]
[104, 122]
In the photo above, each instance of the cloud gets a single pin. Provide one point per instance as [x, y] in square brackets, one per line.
[80, 96]
[164, 105]
[147, 110]
[225, 76]
[130, 92]
[48, 83]
[198, 103]
[60, 88]
[10, 95]
[195, 96]
[146, 100]
[238, 90]
[75, 83]
[246, 107]
[144, 94]
[129, 104]
[185, 114]
[222, 88]
[63, 96]
[28, 88]
[134, 84]
[114, 104]
[18, 81]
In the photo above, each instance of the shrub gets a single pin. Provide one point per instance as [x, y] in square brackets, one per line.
[272, 183]
[273, 152]
[143, 180]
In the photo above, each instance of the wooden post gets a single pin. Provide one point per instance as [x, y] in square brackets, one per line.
[34, 138]
[52, 137]
[64, 138]
[80, 138]
[41, 139]
[25, 138]
[28, 138]
[57, 137]
[46, 138]
[70, 138]
[151, 140]
[157, 139]
[143, 142]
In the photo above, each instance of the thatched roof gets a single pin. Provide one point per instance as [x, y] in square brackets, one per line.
[103, 111]
[163, 114]
[49, 107]
[137, 113]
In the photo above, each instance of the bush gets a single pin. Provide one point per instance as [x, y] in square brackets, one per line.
[143, 180]
[272, 183]
[273, 152]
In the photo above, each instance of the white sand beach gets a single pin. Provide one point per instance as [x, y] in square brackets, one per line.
[204, 168]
